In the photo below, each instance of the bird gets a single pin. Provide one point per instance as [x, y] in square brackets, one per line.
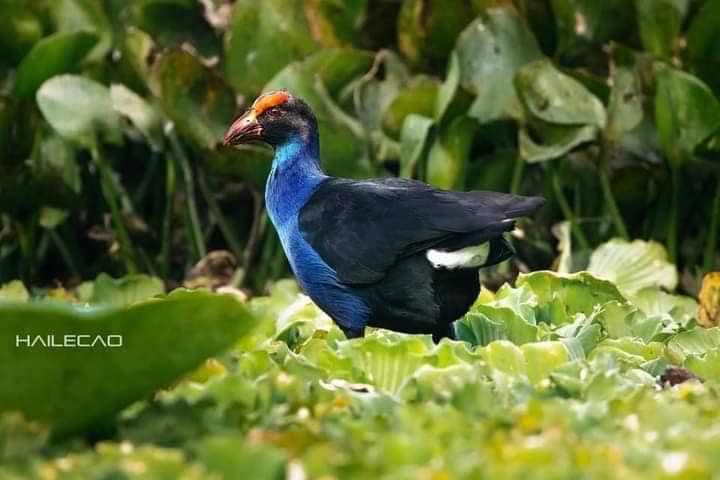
[392, 253]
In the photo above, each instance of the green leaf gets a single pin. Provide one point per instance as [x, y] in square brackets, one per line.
[702, 43]
[450, 153]
[53, 55]
[195, 98]
[686, 113]
[490, 51]
[557, 98]
[556, 141]
[230, 456]
[560, 297]
[695, 342]
[389, 359]
[379, 87]
[505, 356]
[174, 23]
[334, 24]
[542, 357]
[124, 291]
[79, 109]
[413, 138]
[84, 15]
[673, 308]
[427, 29]
[634, 265]
[448, 89]
[142, 115]
[14, 291]
[487, 323]
[625, 111]
[418, 98]
[162, 338]
[659, 22]
[263, 38]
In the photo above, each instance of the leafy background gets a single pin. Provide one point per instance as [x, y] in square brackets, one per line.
[111, 115]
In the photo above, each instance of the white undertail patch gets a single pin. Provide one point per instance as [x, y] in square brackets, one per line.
[468, 257]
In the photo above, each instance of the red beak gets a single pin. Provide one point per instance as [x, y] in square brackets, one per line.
[244, 129]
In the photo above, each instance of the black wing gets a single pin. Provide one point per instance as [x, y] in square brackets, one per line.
[362, 228]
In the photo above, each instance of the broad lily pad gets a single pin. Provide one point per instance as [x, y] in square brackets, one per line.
[75, 388]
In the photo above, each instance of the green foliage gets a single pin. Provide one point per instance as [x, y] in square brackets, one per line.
[74, 389]
[608, 109]
[558, 376]
[120, 107]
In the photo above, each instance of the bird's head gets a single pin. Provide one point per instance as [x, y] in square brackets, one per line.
[275, 118]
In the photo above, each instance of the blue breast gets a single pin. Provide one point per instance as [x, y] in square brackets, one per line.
[294, 176]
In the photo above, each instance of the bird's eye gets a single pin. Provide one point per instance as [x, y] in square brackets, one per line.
[274, 113]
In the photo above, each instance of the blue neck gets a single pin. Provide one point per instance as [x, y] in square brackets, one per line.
[293, 177]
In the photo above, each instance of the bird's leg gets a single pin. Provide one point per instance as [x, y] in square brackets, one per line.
[447, 330]
[352, 332]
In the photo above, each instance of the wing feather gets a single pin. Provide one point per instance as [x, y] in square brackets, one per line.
[362, 228]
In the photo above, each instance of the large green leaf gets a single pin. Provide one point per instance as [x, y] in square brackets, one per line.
[427, 29]
[53, 55]
[490, 51]
[633, 266]
[195, 98]
[263, 38]
[557, 98]
[686, 113]
[173, 23]
[659, 23]
[79, 109]
[73, 389]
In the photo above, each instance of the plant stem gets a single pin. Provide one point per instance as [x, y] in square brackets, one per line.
[198, 242]
[64, 252]
[259, 224]
[672, 233]
[111, 197]
[518, 171]
[567, 211]
[225, 227]
[711, 242]
[609, 196]
[167, 218]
